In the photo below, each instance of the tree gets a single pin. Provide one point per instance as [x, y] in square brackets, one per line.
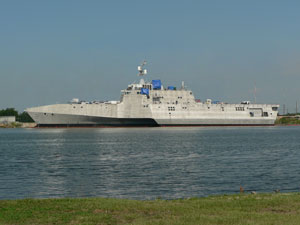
[25, 118]
[9, 112]
[22, 117]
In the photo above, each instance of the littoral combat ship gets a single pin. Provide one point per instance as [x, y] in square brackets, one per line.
[152, 104]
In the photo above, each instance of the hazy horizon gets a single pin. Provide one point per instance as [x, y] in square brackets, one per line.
[54, 51]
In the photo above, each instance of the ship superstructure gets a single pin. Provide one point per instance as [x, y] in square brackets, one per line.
[152, 104]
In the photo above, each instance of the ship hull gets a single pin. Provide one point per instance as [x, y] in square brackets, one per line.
[66, 120]
[144, 125]
[216, 122]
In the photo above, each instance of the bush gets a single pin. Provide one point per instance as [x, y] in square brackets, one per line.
[22, 117]
[288, 121]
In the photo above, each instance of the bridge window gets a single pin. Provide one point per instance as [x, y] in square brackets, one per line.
[239, 108]
[266, 114]
[147, 86]
[156, 99]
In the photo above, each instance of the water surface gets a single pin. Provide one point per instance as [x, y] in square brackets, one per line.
[147, 163]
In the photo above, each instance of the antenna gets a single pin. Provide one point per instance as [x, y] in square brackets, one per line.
[142, 71]
[254, 92]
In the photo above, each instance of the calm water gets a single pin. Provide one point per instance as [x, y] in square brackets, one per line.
[147, 163]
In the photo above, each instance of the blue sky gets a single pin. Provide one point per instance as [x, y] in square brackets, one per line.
[53, 51]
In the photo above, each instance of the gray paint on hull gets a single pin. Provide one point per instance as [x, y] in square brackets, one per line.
[64, 120]
[215, 121]
[56, 120]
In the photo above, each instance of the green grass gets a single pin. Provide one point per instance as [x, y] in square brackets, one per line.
[287, 121]
[230, 209]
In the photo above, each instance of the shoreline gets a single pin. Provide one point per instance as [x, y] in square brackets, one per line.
[34, 126]
[18, 125]
[262, 208]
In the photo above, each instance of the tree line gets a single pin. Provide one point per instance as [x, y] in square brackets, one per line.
[20, 117]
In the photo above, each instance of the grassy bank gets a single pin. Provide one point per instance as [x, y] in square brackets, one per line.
[231, 209]
[287, 121]
[18, 125]
[11, 125]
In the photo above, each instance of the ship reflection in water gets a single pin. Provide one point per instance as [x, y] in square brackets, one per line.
[146, 163]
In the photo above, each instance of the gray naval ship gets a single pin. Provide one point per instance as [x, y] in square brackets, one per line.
[152, 104]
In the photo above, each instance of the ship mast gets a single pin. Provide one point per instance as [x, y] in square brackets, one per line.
[142, 71]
